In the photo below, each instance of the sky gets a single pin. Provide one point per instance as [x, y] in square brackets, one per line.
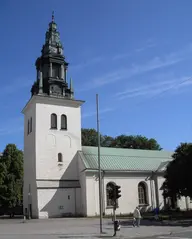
[137, 55]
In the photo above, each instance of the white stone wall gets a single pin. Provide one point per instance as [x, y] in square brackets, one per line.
[184, 203]
[83, 190]
[129, 191]
[161, 199]
[29, 160]
[41, 155]
[51, 142]
[56, 202]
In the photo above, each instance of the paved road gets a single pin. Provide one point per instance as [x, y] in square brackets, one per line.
[180, 235]
[87, 228]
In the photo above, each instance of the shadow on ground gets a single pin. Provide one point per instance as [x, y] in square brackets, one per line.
[180, 223]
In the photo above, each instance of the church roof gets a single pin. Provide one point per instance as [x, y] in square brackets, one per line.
[120, 159]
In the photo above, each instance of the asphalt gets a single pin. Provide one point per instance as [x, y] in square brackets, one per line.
[182, 235]
[89, 228]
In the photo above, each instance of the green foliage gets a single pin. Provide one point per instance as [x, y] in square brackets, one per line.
[11, 176]
[89, 138]
[178, 174]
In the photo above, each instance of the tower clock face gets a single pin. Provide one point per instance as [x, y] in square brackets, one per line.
[56, 89]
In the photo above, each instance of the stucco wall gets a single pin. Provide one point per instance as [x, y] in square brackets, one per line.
[161, 199]
[129, 193]
[41, 150]
[29, 161]
[184, 203]
[83, 190]
[56, 202]
[51, 142]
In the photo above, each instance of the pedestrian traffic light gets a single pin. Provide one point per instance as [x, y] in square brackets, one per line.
[117, 191]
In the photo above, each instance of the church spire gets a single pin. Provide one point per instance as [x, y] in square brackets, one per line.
[52, 67]
[53, 17]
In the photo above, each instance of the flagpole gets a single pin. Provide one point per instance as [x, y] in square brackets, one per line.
[99, 164]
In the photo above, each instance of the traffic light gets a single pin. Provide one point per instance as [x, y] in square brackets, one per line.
[111, 191]
[117, 191]
[111, 194]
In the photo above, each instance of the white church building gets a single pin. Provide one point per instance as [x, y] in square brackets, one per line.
[61, 175]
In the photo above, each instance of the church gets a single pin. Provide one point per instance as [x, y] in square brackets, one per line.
[61, 175]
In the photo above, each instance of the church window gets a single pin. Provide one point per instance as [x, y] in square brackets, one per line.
[60, 157]
[53, 121]
[142, 193]
[28, 127]
[109, 188]
[30, 124]
[63, 122]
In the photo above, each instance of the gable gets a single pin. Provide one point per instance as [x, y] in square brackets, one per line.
[118, 159]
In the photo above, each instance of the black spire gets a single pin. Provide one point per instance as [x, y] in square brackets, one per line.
[52, 16]
[51, 66]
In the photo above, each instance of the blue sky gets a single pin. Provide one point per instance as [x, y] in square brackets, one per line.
[135, 54]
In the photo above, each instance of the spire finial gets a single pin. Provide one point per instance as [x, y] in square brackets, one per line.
[53, 18]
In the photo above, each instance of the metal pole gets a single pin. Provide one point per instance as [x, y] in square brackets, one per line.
[99, 164]
[114, 220]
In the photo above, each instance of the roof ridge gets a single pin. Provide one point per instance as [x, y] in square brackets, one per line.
[127, 156]
[131, 149]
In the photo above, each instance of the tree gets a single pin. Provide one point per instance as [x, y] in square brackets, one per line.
[135, 142]
[89, 138]
[11, 176]
[178, 173]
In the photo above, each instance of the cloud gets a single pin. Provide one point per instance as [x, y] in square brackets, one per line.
[121, 56]
[89, 62]
[155, 88]
[149, 44]
[125, 73]
[103, 111]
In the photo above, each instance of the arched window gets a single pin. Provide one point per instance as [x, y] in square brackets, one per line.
[53, 121]
[63, 122]
[30, 124]
[109, 189]
[142, 193]
[60, 157]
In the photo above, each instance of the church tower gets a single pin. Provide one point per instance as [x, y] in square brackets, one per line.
[52, 136]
